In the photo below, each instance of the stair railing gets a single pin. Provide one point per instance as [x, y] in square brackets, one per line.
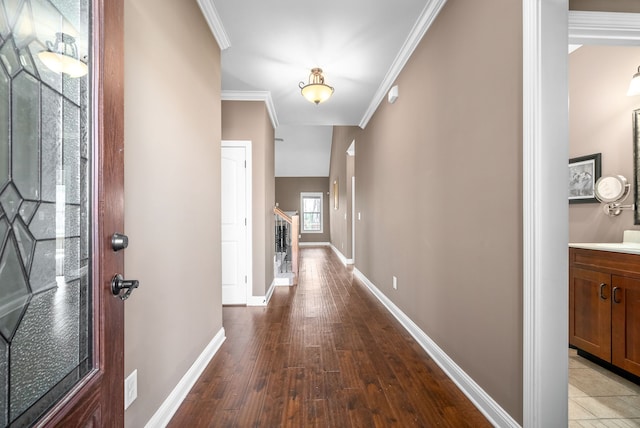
[286, 242]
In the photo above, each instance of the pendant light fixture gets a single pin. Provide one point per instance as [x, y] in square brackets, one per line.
[61, 56]
[634, 86]
[316, 90]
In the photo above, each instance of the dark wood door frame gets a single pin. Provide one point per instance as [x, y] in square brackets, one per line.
[98, 400]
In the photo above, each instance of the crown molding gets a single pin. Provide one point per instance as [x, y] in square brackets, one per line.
[215, 23]
[264, 96]
[604, 28]
[426, 18]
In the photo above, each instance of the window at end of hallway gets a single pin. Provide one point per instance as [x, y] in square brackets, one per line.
[311, 209]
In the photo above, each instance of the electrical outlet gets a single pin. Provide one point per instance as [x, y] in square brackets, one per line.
[130, 388]
[395, 283]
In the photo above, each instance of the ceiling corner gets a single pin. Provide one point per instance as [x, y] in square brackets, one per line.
[264, 96]
[426, 18]
[215, 23]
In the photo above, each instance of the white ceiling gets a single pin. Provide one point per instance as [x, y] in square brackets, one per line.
[303, 151]
[272, 45]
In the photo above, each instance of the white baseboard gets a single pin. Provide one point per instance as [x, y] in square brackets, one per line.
[345, 261]
[257, 301]
[163, 415]
[483, 401]
[269, 293]
[314, 244]
[262, 300]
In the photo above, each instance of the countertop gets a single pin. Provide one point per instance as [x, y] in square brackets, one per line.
[616, 247]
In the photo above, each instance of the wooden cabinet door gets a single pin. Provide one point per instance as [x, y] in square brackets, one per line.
[590, 311]
[626, 323]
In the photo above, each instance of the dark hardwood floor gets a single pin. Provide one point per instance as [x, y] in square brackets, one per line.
[324, 353]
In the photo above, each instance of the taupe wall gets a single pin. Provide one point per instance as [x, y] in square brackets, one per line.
[343, 136]
[172, 195]
[288, 191]
[600, 122]
[605, 5]
[249, 120]
[439, 187]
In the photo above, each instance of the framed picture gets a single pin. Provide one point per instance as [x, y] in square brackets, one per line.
[584, 171]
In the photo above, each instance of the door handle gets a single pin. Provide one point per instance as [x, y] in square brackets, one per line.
[602, 296]
[118, 283]
[615, 295]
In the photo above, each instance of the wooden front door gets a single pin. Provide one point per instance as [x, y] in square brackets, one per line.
[61, 200]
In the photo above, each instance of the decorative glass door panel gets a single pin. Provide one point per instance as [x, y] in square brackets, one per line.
[45, 290]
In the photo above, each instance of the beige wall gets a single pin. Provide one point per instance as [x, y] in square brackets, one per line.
[439, 187]
[600, 122]
[605, 5]
[288, 191]
[249, 120]
[172, 195]
[343, 136]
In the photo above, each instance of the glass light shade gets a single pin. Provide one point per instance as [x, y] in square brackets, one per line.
[317, 92]
[634, 86]
[61, 63]
[62, 56]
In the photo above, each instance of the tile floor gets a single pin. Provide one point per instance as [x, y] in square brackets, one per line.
[599, 398]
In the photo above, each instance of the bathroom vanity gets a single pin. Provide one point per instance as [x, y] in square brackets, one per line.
[604, 302]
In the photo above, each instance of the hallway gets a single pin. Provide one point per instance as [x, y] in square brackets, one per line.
[325, 353]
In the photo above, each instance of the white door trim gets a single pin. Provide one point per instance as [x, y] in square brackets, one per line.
[545, 213]
[545, 208]
[604, 28]
[249, 235]
[353, 219]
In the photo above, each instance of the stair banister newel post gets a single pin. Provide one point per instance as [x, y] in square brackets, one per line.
[295, 230]
[286, 245]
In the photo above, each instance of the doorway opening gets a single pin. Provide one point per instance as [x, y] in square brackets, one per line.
[600, 68]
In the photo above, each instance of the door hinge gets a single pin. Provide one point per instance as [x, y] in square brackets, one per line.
[245, 164]
[245, 279]
[245, 221]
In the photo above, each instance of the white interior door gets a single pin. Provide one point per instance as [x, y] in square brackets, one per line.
[234, 225]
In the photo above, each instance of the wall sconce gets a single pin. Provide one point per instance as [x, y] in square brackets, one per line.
[61, 56]
[612, 190]
[634, 86]
[316, 91]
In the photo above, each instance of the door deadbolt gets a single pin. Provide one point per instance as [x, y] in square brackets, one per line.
[118, 283]
[119, 241]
